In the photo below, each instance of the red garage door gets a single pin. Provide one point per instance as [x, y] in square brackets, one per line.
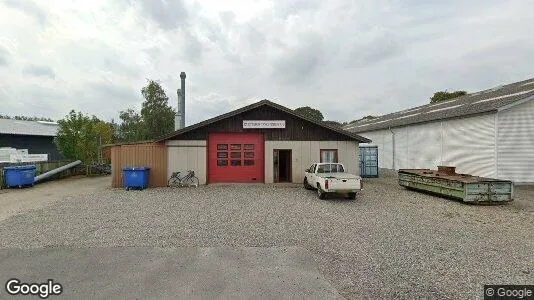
[235, 157]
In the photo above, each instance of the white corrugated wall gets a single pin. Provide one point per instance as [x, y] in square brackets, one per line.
[187, 155]
[515, 146]
[424, 149]
[467, 143]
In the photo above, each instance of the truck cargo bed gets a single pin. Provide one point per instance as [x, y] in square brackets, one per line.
[445, 182]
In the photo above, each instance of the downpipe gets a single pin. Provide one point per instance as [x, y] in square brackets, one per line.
[392, 147]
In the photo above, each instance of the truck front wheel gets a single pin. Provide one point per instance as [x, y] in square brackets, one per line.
[320, 193]
[352, 196]
[306, 184]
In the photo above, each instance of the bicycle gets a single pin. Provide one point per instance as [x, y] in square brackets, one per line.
[188, 180]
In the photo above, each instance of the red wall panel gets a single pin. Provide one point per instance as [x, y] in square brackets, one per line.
[236, 157]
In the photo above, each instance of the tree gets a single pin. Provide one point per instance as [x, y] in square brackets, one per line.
[444, 95]
[132, 127]
[79, 136]
[309, 112]
[369, 117]
[157, 115]
[335, 123]
[105, 131]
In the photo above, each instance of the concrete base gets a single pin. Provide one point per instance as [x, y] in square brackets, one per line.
[170, 273]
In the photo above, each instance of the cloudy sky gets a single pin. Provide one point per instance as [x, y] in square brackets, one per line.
[346, 58]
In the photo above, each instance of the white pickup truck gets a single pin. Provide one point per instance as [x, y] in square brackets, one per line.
[331, 178]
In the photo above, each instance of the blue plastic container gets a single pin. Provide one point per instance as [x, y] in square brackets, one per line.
[19, 176]
[136, 178]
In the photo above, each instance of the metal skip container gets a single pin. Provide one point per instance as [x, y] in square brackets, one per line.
[447, 183]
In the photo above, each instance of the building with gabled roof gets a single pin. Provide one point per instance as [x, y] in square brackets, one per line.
[260, 143]
[488, 133]
[36, 136]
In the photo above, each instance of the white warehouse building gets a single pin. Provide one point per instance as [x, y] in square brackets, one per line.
[488, 133]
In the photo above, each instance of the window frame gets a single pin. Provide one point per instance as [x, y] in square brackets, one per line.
[336, 157]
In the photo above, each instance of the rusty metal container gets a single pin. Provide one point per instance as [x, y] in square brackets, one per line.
[447, 183]
[447, 170]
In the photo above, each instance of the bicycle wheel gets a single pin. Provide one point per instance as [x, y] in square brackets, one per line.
[173, 182]
[195, 181]
[190, 181]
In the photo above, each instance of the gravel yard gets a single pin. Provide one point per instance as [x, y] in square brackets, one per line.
[388, 243]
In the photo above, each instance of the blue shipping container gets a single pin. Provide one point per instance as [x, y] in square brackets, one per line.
[136, 178]
[19, 176]
[369, 161]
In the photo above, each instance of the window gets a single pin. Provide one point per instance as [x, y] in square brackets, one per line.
[249, 162]
[235, 147]
[222, 162]
[337, 169]
[328, 155]
[248, 147]
[235, 154]
[235, 162]
[330, 168]
[222, 154]
[249, 154]
[222, 146]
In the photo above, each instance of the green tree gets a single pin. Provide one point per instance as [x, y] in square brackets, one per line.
[79, 136]
[444, 95]
[369, 117]
[335, 123]
[157, 115]
[309, 112]
[132, 127]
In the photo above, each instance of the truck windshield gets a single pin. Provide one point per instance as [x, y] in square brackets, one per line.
[330, 168]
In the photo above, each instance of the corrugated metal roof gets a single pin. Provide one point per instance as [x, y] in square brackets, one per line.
[18, 127]
[474, 103]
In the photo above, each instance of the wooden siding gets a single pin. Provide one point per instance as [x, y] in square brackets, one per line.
[296, 129]
[149, 155]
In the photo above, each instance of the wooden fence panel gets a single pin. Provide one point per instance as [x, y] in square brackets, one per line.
[116, 170]
[150, 155]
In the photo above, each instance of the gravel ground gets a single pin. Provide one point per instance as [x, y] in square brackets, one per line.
[389, 243]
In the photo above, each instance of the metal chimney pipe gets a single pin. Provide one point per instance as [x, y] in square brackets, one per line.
[178, 116]
[182, 104]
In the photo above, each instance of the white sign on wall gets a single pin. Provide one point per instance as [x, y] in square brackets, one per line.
[264, 124]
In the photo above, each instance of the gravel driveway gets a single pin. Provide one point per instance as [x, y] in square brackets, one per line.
[389, 243]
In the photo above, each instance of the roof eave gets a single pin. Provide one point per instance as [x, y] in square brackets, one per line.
[354, 136]
[430, 121]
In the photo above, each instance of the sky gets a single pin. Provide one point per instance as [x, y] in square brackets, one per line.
[346, 58]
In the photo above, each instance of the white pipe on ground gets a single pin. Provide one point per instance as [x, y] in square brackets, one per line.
[55, 171]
